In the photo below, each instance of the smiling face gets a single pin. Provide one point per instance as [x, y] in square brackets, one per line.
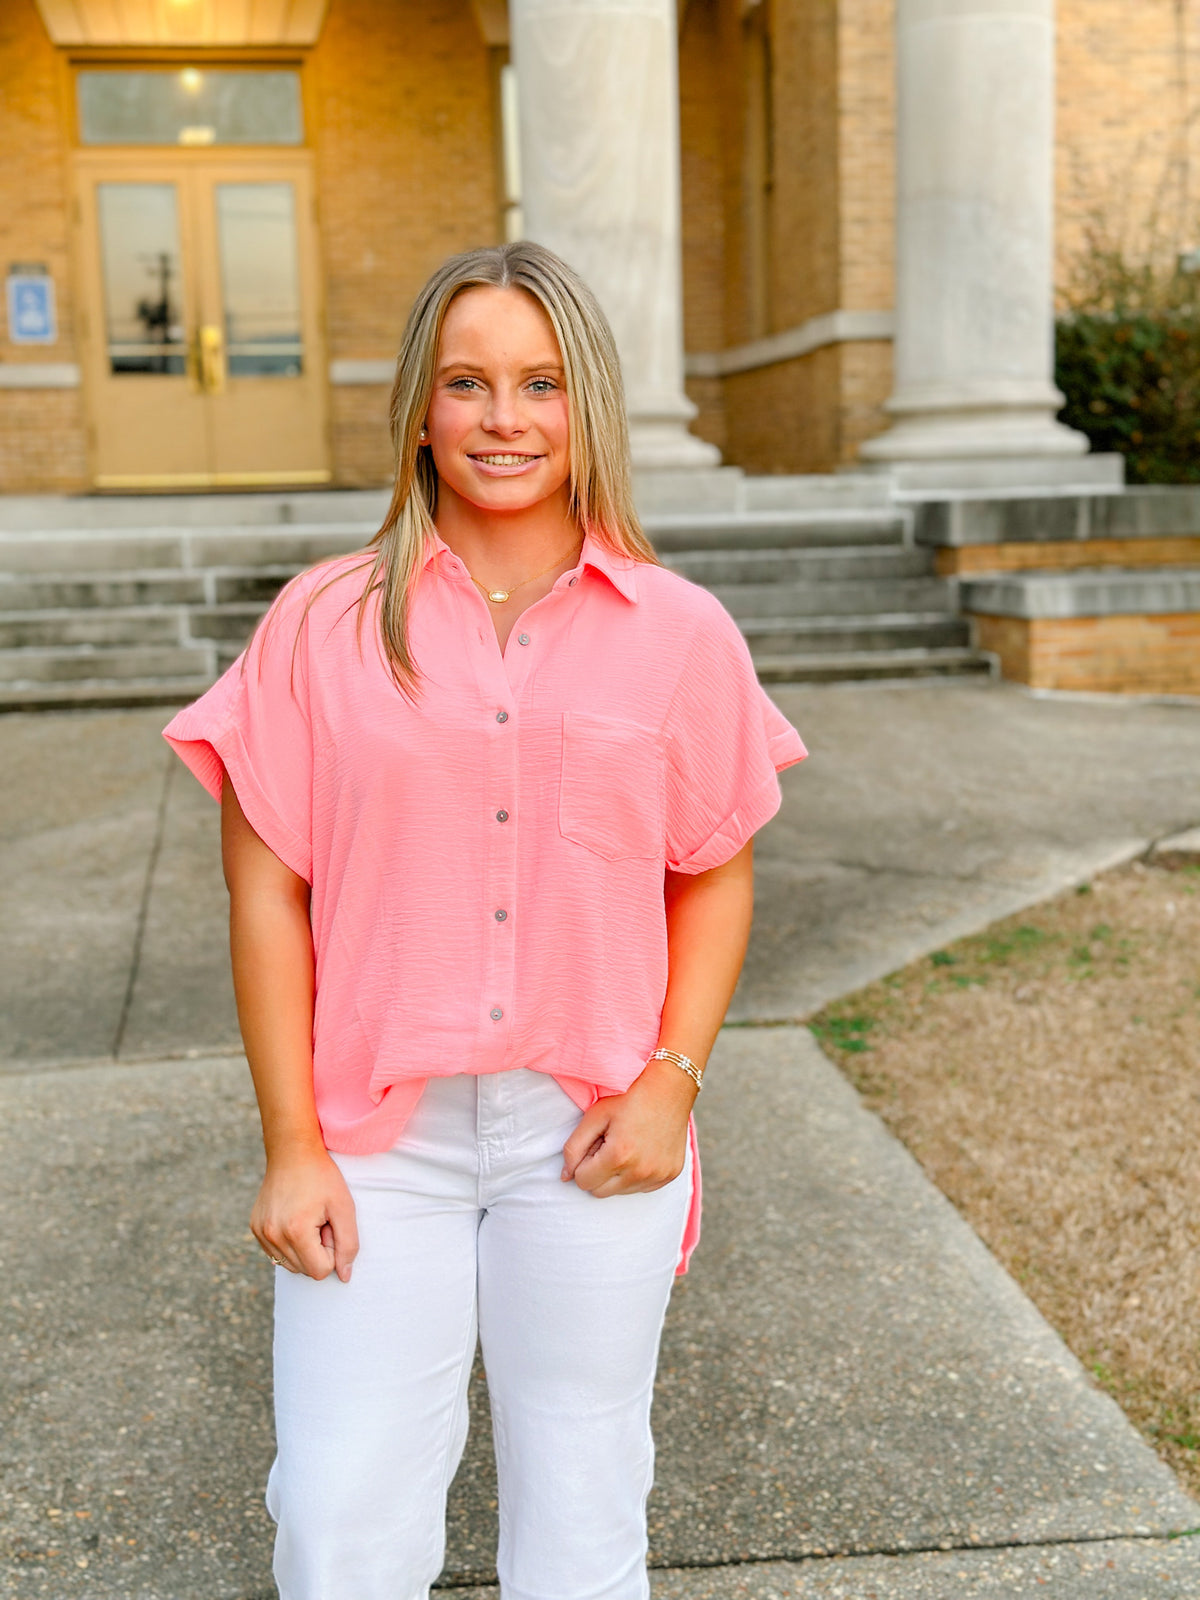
[498, 419]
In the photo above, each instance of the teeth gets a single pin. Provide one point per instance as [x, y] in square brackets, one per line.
[504, 461]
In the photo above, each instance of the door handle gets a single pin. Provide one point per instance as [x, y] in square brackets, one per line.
[212, 359]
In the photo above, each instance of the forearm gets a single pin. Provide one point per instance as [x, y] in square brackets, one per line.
[708, 927]
[270, 942]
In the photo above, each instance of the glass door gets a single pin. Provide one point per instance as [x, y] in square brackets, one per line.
[204, 365]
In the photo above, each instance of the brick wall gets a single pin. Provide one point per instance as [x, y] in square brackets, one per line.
[1128, 159]
[42, 442]
[407, 176]
[1125, 655]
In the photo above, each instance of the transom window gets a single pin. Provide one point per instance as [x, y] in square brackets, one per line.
[190, 106]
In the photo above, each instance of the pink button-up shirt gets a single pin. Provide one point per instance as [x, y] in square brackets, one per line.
[487, 862]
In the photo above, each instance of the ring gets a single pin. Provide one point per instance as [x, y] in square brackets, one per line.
[275, 1261]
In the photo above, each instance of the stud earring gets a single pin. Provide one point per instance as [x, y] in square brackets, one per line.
[424, 435]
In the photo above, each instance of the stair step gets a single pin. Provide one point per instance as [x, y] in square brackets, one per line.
[56, 553]
[838, 666]
[86, 513]
[782, 636]
[754, 529]
[865, 598]
[817, 491]
[711, 567]
[93, 694]
[83, 663]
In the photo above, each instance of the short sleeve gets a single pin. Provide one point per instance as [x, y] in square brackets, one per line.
[255, 724]
[725, 742]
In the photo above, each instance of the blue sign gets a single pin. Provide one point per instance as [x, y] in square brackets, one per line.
[31, 318]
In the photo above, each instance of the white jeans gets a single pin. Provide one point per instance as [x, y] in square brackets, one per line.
[466, 1226]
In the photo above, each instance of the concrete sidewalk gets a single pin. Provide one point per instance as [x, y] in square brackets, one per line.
[854, 1399]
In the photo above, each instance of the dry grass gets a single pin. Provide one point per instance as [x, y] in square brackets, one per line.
[1046, 1074]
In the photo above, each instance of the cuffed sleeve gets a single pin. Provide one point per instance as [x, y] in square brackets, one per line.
[726, 742]
[255, 724]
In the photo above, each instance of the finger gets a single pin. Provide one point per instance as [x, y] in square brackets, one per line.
[583, 1142]
[343, 1229]
[600, 1166]
[306, 1250]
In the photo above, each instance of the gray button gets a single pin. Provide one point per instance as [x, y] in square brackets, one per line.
[522, 638]
[495, 1013]
[572, 583]
[502, 816]
[502, 716]
[501, 916]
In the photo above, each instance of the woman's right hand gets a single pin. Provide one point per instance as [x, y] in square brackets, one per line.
[304, 1215]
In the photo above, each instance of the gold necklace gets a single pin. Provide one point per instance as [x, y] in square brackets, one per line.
[499, 596]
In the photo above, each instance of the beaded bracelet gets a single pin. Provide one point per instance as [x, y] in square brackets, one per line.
[695, 1073]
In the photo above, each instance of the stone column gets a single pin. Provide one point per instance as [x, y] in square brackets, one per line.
[597, 87]
[974, 343]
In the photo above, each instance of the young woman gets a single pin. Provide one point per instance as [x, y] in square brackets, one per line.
[488, 791]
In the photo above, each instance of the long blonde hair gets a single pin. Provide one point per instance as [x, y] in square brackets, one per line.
[601, 491]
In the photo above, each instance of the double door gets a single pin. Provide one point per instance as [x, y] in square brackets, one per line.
[203, 359]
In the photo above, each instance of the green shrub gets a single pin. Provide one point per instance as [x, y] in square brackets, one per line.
[1127, 358]
[1132, 384]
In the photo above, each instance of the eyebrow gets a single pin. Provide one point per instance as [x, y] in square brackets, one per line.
[467, 366]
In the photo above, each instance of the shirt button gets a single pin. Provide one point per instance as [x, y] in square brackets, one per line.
[502, 716]
[522, 638]
[501, 916]
[502, 816]
[572, 583]
[495, 1013]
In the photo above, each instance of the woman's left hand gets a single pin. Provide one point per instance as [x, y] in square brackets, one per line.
[634, 1142]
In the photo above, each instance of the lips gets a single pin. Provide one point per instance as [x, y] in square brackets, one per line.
[504, 459]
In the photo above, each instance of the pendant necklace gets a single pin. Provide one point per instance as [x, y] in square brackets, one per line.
[499, 596]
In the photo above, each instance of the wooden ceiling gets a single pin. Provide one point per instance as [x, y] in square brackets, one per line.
[183, 22]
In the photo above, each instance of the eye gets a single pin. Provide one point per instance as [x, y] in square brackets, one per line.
[462, 384]
[543, 385]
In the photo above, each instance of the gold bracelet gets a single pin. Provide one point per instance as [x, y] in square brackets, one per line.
[695, 1073]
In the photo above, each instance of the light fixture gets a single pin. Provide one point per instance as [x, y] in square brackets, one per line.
[191, 79]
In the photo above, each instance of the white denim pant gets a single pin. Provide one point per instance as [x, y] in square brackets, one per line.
[465, 1227]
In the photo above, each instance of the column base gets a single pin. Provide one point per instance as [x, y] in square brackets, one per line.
[999, 476]
[974, 434]
[660, 444]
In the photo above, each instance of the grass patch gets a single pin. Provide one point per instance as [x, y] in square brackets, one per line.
[1046, 1074]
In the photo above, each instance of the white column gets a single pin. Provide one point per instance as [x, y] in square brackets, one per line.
[974, 344]
[597, 86]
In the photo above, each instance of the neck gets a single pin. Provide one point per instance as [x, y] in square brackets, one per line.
[502, 547]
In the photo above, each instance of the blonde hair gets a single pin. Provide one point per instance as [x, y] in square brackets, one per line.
[601, 491]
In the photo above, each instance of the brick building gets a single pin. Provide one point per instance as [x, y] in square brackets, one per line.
[215, 213]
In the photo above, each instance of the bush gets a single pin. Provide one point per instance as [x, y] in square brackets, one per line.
[1127, 358]
[1132, 382]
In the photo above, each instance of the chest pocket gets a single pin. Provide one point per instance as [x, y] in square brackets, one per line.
[611, 793]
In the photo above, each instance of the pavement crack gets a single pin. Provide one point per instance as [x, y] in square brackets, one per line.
[139, 933]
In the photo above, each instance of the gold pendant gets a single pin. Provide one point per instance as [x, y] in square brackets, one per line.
[498, 596]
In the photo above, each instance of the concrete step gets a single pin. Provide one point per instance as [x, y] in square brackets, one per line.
[711, 567]
[851, 491]
[56, 553]
[119, 591]
[787, 636]
[777, 529]
[871, 595]
[90, 695]
[78, 663]
[131, 625]
[96, 512]
[847, 666]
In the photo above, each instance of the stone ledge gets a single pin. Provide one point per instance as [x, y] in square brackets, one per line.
[1155, 511]
[1088, 593]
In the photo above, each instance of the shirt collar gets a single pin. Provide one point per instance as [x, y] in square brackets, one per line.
[619, 569]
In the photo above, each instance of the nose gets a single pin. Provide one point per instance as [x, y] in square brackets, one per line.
[504, 415]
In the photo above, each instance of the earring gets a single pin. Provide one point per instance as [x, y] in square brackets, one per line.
[423, 435]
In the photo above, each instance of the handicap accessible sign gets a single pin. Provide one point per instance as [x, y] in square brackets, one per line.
[31, 317]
